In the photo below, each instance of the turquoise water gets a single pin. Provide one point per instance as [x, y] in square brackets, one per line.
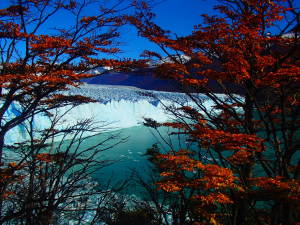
[129, 156]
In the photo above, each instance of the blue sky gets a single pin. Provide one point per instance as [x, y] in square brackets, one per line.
[179, 16]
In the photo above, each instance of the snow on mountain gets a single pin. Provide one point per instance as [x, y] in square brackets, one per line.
[117, 106]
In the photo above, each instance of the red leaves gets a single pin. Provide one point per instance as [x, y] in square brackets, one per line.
[241, 157]
[285, 189]
[26, 77]
[217, 177]
[12, 11]
[213, 198]
[171, 71]
[45, 42]
[212, 181]
[170, 185]
[9, 175]
[196, 82]
[175, 125]
[256, 131]
[228, 141]
[88, 19]
[44, 157]
[10, 30]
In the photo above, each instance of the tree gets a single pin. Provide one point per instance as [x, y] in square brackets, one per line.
[247, 167]
[170, 207]
[36, 66]
[50, 182]
[38, 63]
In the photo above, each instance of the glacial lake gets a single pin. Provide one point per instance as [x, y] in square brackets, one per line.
[129, 156]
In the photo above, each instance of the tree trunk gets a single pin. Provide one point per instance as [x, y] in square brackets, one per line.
[240, 212]
[1, 145]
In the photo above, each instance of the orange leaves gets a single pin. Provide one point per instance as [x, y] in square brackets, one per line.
[88, 19]
[45, 42]
[170, 186]
[285, 189]
[10, 30]
[8, 174]
[214, 198]
[179, 161]
[270, 183]
[213, 177]
[64, 100]
[251, 134]
[7, 194]
[210, 184]
[171, 70]
[194, 82]
[174, 125]
[240, 47]
[201, 58]
[5, 175]
[44, 157]
[48, 158]
[241, 157]
[13, 11]
[85, 47]
[159, 39]
[116, 65]
[228, 141]
[167, 174]
[26, 77]
[290, 72]
[217, 177]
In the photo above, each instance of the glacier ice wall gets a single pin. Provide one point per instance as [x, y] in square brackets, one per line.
[117, 106]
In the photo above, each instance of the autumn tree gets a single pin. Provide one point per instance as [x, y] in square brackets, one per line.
[36, 65]
[245, 59]
[39, 62]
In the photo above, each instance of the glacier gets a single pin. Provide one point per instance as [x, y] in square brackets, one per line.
[117, 107]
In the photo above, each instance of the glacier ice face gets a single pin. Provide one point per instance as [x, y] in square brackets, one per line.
[117, 107]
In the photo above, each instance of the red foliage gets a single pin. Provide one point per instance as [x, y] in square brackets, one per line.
[251, 138]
